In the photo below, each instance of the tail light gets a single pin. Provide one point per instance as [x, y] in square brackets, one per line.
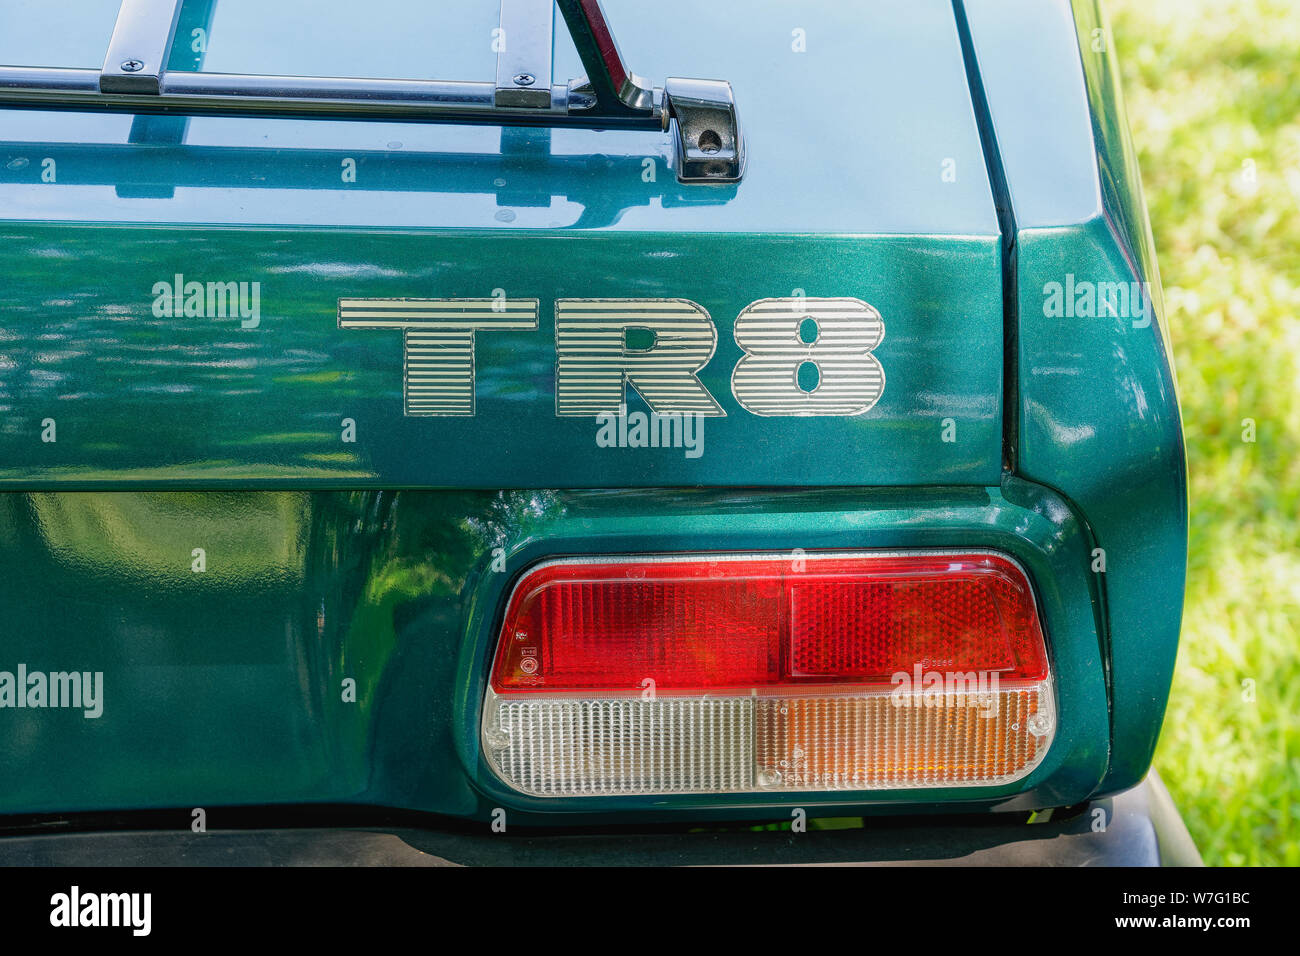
[754, 673]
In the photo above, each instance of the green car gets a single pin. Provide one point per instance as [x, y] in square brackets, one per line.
[423, 438]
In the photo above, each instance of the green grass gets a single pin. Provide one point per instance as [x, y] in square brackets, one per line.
[1213, 91]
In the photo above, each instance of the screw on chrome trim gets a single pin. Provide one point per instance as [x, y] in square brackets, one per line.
[525, 79]
[132, 66]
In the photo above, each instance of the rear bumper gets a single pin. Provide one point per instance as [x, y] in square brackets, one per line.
[1141, 828]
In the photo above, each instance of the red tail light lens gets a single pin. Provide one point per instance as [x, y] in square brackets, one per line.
[703, 625]
[817, 671]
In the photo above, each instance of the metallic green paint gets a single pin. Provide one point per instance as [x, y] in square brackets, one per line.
[445, 211]
[142, 400]
[1098, 416]
[815, 168]
[226, 687]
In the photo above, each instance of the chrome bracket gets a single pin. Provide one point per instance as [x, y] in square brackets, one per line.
[525, 54]
[134, 79]
[709, 145]
[138, 50]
